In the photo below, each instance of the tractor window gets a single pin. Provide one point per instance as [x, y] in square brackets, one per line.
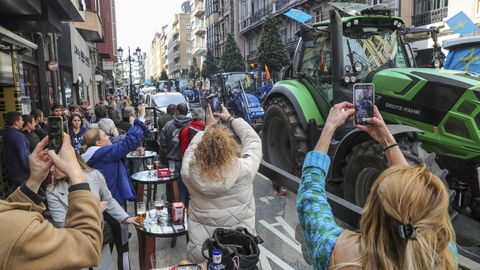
[375, 49]
[316, 62]
[317, 66]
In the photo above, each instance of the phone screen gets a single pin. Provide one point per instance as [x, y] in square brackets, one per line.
[215, 104]
[363, 98]
[55, 133]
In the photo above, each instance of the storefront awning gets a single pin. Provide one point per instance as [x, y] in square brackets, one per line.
[12, 38]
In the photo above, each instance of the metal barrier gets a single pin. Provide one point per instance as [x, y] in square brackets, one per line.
[346, 211]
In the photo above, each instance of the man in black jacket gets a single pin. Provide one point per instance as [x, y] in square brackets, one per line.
[29, 131]
[16, 151]
[40, 128]
[170, 140]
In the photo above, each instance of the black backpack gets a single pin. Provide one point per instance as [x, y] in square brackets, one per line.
[239, 248]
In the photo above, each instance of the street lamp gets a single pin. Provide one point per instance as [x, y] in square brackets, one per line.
[130, 60]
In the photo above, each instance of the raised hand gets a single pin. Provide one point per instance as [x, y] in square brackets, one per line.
[66, 161]
[339, 113]
[40, 164]
[211, 120]
[377, 129]
[224, 115]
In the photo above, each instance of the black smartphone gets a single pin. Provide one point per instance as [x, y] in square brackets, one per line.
[55, 133]
[215, 103]
[363, 100]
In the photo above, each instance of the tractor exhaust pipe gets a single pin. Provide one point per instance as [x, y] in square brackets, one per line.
[338, 72]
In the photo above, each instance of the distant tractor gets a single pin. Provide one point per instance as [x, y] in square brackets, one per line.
[238, 94]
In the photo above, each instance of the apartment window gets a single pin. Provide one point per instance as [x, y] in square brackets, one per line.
[317, 14]
[376, 2]
[423, 6]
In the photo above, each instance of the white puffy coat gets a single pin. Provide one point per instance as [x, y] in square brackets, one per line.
[228, 203]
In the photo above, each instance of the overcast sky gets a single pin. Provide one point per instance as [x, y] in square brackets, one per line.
[138, 20]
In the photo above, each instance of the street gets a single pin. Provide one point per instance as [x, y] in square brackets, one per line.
[275, 224]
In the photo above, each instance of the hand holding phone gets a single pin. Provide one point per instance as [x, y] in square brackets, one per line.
[215, 103]
[364, 101]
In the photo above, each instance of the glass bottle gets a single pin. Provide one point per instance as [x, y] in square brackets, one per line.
[216, 264]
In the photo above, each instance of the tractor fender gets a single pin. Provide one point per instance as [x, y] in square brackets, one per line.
[301, 100]
[355, 137]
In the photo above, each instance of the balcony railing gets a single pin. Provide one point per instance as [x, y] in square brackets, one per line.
[199, 49]
[199, 10]
[199, 28]
[430, 17]
[272, 8]
[176, 55]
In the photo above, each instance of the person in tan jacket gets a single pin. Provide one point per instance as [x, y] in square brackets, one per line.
[31, 242]
[218, 173]
[405, 223]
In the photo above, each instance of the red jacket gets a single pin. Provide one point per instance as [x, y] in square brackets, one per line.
[190, 130]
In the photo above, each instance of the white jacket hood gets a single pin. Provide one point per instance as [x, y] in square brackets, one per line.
[89, 153]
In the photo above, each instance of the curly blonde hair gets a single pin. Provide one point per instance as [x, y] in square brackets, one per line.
[216, 152]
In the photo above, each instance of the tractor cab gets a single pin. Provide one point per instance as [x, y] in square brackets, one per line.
[238, 93]
[365, 42]
[163, 86]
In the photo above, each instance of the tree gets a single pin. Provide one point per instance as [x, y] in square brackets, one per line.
[163, 75]
[193, 73]
[209, 65]
[271, 50]
[232, 59]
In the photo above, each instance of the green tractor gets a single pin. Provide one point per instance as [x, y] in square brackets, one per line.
[427, 109]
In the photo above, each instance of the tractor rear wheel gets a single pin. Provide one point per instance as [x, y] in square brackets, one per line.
[284, 140]
[367, 160]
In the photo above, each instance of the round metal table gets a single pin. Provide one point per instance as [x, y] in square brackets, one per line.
[147, 233]
[151, 179]
[148, 154]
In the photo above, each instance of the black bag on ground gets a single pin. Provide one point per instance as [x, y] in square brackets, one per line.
[239, 248]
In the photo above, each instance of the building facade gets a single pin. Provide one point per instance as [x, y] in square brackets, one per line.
[179, 46]
[221, 17]
[155, 62]
[199, 30]
[29, 62]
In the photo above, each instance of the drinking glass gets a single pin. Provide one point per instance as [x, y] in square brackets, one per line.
[171, 166]
[152, 212]
[149, 164]
[160, 205]
[141, 212]
[160, 260]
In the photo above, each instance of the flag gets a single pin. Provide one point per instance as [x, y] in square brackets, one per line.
[464, 59]
[461, 24]
[298, 15]
[324, 63]
[267, 73]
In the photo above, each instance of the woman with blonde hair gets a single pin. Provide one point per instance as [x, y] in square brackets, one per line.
[218, 173]
[57, 197]
[405, 223]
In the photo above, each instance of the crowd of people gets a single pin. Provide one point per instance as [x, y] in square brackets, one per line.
[405, 224]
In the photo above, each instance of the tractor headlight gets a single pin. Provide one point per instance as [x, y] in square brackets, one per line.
[348, 24]
[348, 68]
[347, 79]
[353, 79]
[399, 25]
[395, 22]
[358, 67]
[355, 22]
